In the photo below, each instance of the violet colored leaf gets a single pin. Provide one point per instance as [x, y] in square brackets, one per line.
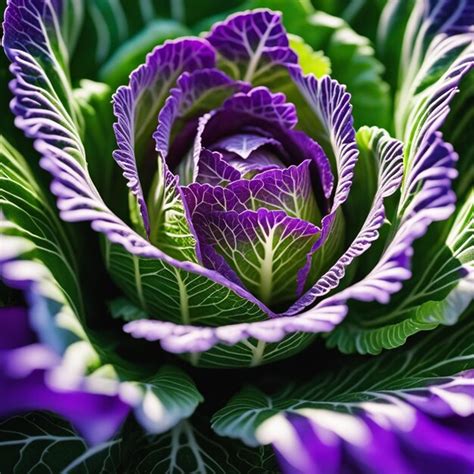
[195, 93]
[289, 190]
[407, 431]
[254, 41]
[24, 386]
[258, 162]
[244, 144]
[204, 199]
[180, 338]
[260, 104]
[269, 115]
[387, 157]
[265, 248]
[258, 108]
[150, 84]
[330, 104]
[214, 170]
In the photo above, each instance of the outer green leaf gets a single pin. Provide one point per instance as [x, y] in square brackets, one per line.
[170, 229]
[40, 442]
[173, 294]
[123, 309]
[362, 15]
[428, 60]
[365, 180]
[116, 34]
[29, 215]
[440, 354]
[94, 101]
[390, 30]
[45, 256]
[353, 63]
[183, 450]
[442, 288]
[132, 53]
[314, 62]
[168, 293]
[189, 449]
[161, 400]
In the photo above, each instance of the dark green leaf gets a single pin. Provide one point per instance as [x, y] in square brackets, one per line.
[440, 354]
[40, 442]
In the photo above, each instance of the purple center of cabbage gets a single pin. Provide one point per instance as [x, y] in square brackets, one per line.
[249, 153]
[255, 190]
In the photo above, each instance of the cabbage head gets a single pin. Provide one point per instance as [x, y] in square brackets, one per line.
[200, 194]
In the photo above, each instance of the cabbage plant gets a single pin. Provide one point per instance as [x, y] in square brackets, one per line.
[275, 216]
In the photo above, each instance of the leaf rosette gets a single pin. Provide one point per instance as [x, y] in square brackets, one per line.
[242, 240]
[264, 204]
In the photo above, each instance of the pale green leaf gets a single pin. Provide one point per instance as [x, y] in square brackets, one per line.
[311, 62]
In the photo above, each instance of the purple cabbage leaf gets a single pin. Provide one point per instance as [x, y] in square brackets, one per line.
[405, 410]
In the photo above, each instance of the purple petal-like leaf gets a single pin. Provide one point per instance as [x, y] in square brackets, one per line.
[258, 162]
[287, 189]
[97, 417]
[388, 156]
[212, 169]
[137, 104]
[406, 431]
[24, 386]
[180, 338]
[258, 108]
[426, 193]
[251, 153]
[331, 105]
[195, 93]
[204, 199]
[266, 249]
[267, 114]
[432, 203]
[262, 105]
[254, 40]
[244, 144]
[309, 149]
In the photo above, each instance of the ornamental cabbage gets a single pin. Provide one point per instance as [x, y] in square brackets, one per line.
[287, 190]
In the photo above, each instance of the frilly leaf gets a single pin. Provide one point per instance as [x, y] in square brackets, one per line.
[252, 43]
[442, 289]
